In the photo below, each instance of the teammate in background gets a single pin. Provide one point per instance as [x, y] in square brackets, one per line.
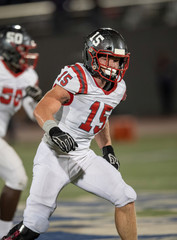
[88, 93]
[18, 86]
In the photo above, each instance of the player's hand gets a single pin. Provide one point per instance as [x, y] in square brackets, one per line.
[108, 154]
[35, 92]
[62, 139]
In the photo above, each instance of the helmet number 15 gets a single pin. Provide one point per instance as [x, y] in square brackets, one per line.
[96, 39]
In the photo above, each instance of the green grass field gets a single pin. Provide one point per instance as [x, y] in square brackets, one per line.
[147, 164]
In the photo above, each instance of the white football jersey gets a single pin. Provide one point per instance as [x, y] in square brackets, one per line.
[90, 106]
[12, 91]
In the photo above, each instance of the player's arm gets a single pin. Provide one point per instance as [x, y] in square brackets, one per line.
[103, 140]
[44, 114]
[33, 95]
[50, 104]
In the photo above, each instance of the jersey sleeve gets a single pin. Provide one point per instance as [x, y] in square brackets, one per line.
[31, 77]
[73, 79]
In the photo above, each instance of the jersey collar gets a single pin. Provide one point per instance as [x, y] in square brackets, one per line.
[10, 71]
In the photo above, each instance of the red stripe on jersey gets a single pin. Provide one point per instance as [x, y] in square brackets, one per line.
[9, 70]
[82, 78]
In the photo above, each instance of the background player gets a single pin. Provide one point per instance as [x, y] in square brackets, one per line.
[88, 93]
[18, 86]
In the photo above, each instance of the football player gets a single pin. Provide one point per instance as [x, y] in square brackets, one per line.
[18, 87]
[87, 92]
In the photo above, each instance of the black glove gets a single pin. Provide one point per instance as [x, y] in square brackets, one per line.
[35, 92]
[65, 142]
[109, 155]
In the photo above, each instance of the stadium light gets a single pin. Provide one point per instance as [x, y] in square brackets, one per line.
[27, 9]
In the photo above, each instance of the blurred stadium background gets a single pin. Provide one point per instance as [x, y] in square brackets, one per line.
[149, 27]
[144, 127]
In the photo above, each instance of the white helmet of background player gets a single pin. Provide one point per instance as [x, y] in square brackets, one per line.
[15, 44]
[106, 42]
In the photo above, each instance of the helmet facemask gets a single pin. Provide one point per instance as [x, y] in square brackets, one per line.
[104, 70]
[21, 58]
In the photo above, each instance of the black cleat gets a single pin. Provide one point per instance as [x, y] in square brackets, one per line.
[20, 232]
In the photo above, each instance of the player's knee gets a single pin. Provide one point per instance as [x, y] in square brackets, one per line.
[17, 180]
[20, 231]
[128, 195]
